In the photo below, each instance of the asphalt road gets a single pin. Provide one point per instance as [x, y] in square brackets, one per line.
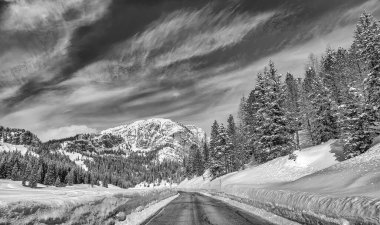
[197, 209]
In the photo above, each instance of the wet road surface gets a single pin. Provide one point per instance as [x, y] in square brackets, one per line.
[197, 209]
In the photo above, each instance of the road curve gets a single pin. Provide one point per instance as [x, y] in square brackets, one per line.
[197, 209]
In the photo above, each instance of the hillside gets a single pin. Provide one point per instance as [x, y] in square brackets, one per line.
[171, 140]
[276, 171]
[144, 152]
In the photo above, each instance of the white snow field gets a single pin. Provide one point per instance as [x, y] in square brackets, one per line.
[78, 204]
[316, 188]
[13, 191]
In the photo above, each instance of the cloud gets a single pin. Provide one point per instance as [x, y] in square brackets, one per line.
[63, 132]
[115, 61]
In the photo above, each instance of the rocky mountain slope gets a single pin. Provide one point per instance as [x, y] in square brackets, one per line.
[170, 139]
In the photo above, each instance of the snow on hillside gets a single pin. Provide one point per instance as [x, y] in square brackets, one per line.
[171, 139]
[5, 147]
[77, 158]
[359, 176]
[315, 189]
[277, 171]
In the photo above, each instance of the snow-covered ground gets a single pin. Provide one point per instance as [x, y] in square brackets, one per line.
[277, 171]
[77, 158]
[78, 204]
[273, 218]
[5, 147]
[13, 191]
[314, 188]
[359, 176]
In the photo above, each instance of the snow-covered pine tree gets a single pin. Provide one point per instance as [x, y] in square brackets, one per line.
[355, 125]
[213, 141]
[324, 115]
[275, 133]
[198, 163]
[232, 162]
[206, 154]
[305, 104]
[255, 102]
[292, 106]
[219, 159]
[367, 45]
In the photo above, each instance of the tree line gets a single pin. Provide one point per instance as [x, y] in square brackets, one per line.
[338, 98]
[106, 162]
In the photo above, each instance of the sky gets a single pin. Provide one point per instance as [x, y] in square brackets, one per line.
[81, 66]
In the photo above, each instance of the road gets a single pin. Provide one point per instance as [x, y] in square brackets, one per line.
[197, 209]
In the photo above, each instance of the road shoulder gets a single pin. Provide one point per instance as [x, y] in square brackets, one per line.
[273, 218]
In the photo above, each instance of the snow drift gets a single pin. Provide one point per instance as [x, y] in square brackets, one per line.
[335, 193]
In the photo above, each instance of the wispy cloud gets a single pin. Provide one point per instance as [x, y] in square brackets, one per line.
[94, 64]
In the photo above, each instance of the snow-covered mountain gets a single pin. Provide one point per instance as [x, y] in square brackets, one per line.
[170, 139]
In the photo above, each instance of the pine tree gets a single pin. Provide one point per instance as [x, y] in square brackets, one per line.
[213, 141]
[105, 182]
[214, 134]
[57, 182]
[367, 45]
[50, 176]
[219, 160]
[198, 163]
[3, 171]
[275, 134]
[324, 117]
[28, 170]
[70, 178]
[206, 153]
[355, 125]
[40, 175]
[15, 172]
[33, 178]
[232, 162]
[293, 106]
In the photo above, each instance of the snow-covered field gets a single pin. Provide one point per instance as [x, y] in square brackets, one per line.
[314, 188]
[78, 204]
[13, 191]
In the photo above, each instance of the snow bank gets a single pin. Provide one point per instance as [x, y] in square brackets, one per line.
[277, 171]
[273, 218]
[359, 176]
[344, 193]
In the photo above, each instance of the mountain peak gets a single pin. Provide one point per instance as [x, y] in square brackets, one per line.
[170, 139]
